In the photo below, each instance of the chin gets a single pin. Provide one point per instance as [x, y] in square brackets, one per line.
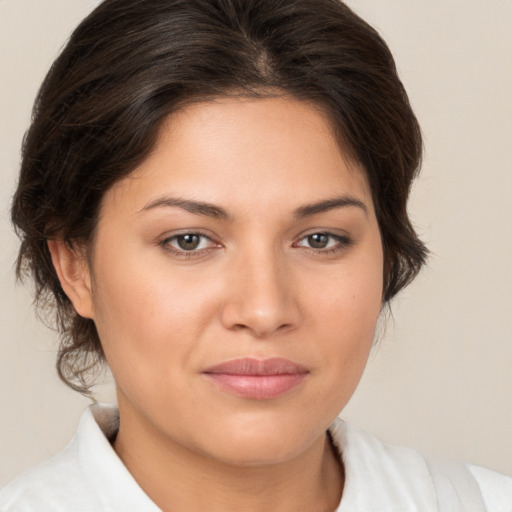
[262, 443]
[257, 454]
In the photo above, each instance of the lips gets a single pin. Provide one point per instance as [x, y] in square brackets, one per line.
[255, 378]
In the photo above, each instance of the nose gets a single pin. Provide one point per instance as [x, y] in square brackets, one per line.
[261, 298]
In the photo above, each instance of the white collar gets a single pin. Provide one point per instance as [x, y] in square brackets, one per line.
[107, 475]
[378, 478]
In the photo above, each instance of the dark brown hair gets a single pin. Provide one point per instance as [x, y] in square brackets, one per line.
[131, 63]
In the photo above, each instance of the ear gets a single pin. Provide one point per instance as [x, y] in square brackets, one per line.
[74, 275]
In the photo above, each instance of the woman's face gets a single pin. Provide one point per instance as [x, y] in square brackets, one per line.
[236, 280]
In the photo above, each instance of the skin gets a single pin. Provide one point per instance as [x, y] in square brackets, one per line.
[254, 287]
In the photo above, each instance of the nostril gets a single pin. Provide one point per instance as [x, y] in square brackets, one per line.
[261, 331]
[263, 304]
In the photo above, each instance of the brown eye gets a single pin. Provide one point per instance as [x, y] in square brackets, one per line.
[318, 240]
[188, 242]
[191, 243]
[324, 242]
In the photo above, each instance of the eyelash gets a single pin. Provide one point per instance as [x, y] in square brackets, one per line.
[342, 243]
[182, 253]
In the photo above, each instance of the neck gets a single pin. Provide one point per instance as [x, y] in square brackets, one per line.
[178, 478]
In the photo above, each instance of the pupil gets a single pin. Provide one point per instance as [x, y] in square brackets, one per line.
[188, 242]
[318, 240]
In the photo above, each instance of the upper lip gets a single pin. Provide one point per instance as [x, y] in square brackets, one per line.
[252, 366]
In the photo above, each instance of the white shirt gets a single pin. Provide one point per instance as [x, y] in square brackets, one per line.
[88, 476]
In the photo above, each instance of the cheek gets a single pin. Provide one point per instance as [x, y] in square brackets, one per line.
[347, 309]
[143, 310]
[350, 297]
[350, 319]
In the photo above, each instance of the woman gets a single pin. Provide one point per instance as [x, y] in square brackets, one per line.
[213, 195]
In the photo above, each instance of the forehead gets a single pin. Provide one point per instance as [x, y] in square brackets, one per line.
[264, 152]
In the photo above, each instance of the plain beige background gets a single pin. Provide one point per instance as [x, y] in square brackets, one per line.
[441, 380]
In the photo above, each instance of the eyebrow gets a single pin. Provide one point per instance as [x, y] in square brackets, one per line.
[329, 204]
[196, 207]
[211, 210]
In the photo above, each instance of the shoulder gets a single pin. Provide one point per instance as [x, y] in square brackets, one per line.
[85, 476]
[496, 488]
[403, 479]
[56, 485]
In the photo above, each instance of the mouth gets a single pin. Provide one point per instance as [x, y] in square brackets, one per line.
[257, 379]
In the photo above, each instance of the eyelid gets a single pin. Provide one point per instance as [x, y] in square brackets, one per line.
[164, 242]
[344, 240]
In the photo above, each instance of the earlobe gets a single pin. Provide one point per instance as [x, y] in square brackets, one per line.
[74, 275]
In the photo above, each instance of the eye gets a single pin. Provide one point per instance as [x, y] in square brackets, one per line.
[188, 242]
[323, 241]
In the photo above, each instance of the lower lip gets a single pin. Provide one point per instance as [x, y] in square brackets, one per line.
[258, 387]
